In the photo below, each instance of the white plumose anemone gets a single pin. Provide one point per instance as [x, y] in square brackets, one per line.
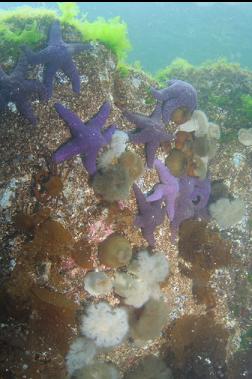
[80, 354]
[98, 283]
[150, 268]
[227, 212]
[105, 325]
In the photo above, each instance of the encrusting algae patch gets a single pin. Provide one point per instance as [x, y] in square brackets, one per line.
[112, 262]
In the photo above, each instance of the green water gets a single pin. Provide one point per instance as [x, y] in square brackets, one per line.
[160, 32]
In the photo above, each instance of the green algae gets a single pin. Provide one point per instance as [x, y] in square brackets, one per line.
[246, 339]
[224, 91]
[26, 25]
[123, 69]
[246, 101]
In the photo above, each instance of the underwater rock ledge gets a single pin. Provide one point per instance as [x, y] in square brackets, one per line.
[39, 201]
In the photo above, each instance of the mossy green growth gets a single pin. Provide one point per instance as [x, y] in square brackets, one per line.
[113, 33]
[69, 12]
[123, 69]
[246, 339]
[27, 25]
[228, 136]
[149, 99]
[178, 65]
[249, 277]
[224, 91]
[246, 102]
[24, 25]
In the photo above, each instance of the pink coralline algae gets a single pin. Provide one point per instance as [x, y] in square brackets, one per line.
[99, 230]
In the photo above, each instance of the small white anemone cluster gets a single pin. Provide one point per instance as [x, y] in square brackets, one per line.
[98, 370]
[227, 213]
[245, 136]
[98, 283]
[103, 326]
[116, 147]
[200, 125]
[206, 135]
[82, 352]
[141, 282]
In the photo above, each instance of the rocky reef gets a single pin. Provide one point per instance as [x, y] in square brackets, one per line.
[110, 259]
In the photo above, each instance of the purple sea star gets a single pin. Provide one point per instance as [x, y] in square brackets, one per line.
[150, 215]
[87, 138]
[57, 55]
[167, 190]
[17, 89]
[179, 94]
[192, 199]
[151, 132]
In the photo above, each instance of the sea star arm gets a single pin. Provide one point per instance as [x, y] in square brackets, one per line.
[140, 199]
[21, 67]
[162, 94]
[138, 221]
[170, 201]
[148, 234]
[101, 116]
[75, 48]
[73, 121]
[55, 37]
[163, 172]
[70, 69]
[140, 120]
[151, 149]
[201, 192]
[157, 113]
[147, 231]
[168, 108]
[157, 194]
[108, 133]
[25, 109]
[3, 75]
[48, 77]
[136, 137]
[41, 57]
[66, 151]
[89, 160]
[34, 86]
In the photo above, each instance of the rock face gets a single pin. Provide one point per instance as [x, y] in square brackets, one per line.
[26, 150]
[52, 223]
[32, 190]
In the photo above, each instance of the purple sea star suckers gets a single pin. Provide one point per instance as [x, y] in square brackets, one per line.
[87, 138]
[150, 131]
[15, 88]
[150, 215]
[57, 55]
[178, 94]
[166, 190]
